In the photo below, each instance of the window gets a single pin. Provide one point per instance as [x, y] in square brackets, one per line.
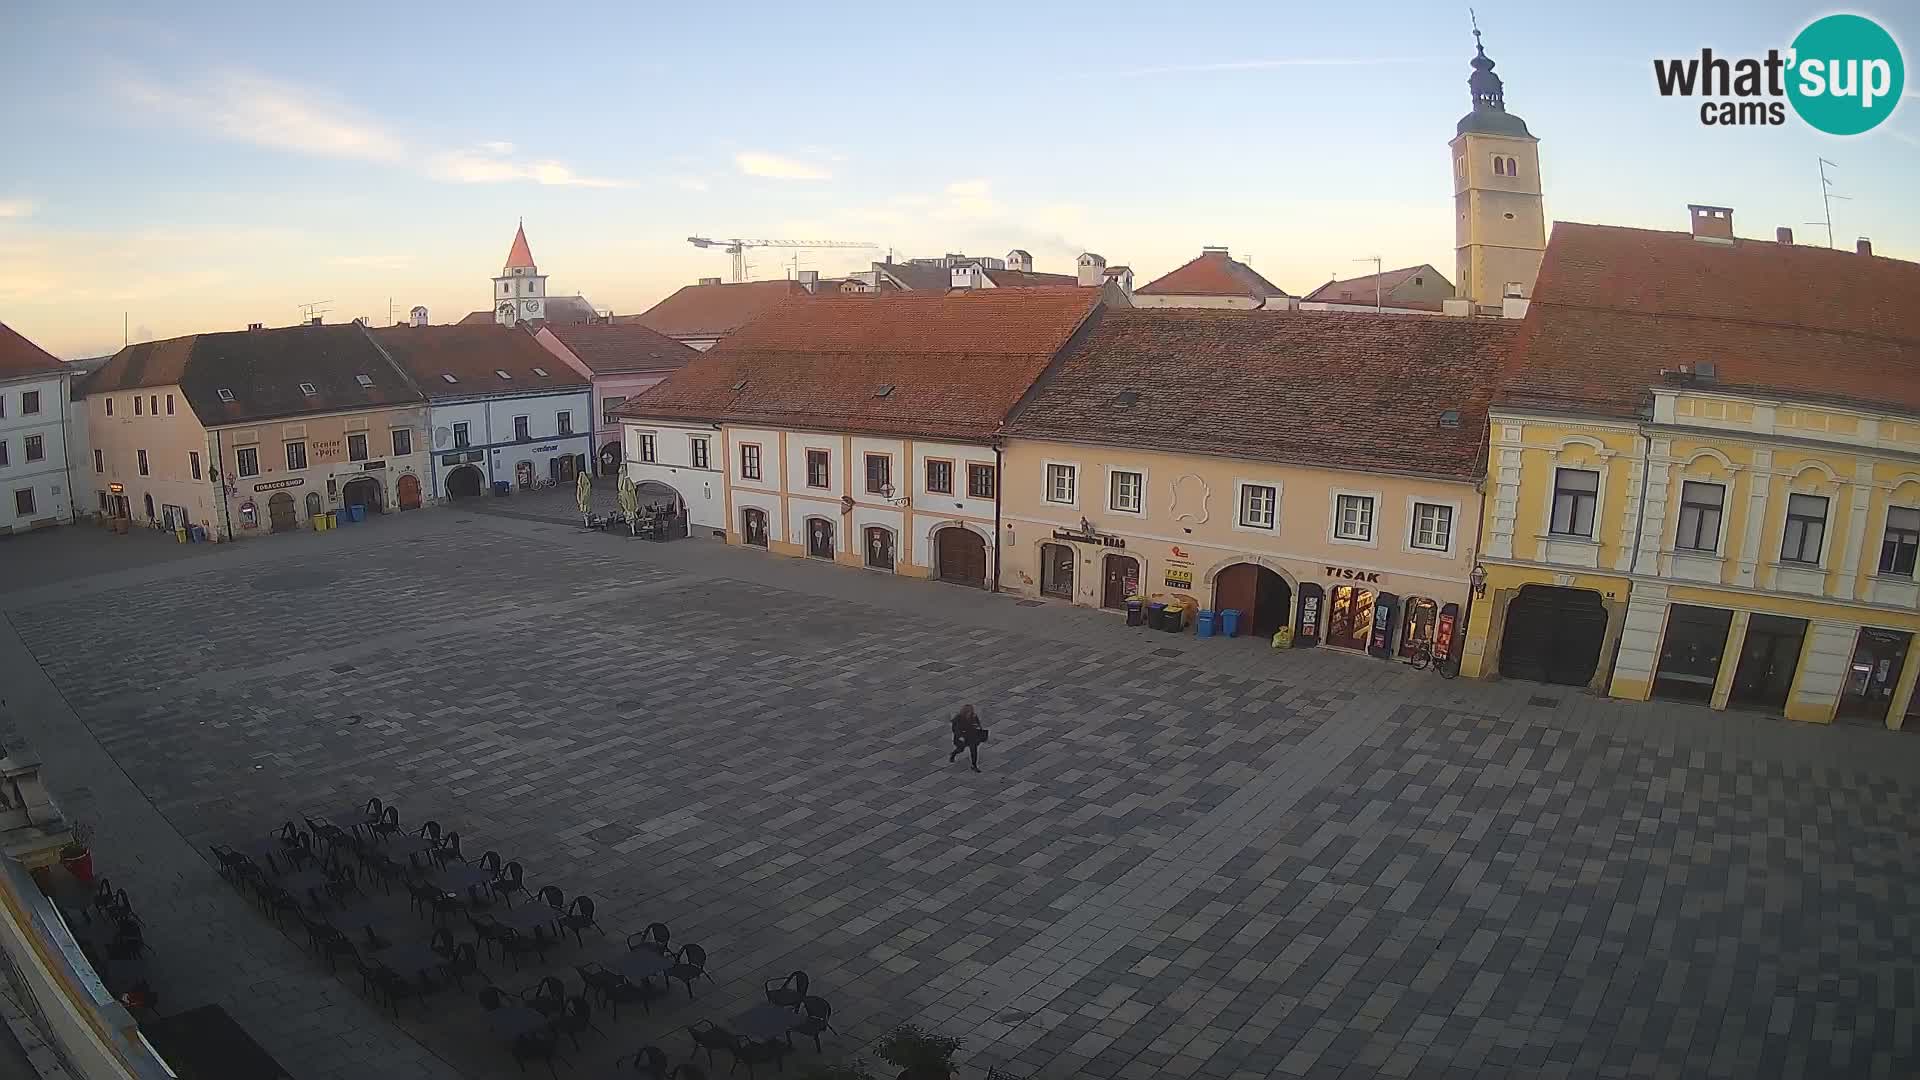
[223, 397]
[193, 463]
[566, 421]
[297, 454]
[460, 438]
[749, 462]
[363, 380]
[648, 449]
[139, 405]
[169, 404]
[36, 448]
[502, 373]
[701, 456]
[103, 499]
[1257, 505]
[1126, 491]
[448, 376]
[879, 473]
[1353, 517]
[357, 446]
[1806, 529]
[1499, 165]
[939, 476]
[402, 441]
[521, 429]
[980, 483]
[142, 455]
[1700, 505]
[153, 404]
[23, 501]
[247, 459]
[607, 406]
[99, 459]
[29, 403]
[1061, 483]
[1432, 526]
[3, 451]
[540, 371]
[1575, 494]
[1897, 551]
[819, 469]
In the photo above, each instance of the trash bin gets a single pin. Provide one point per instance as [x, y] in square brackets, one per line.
[180, 535]
[1203, 627]
[1173, 619]
[1230, 622]
[359, 512]
[1136, 613]
[1156, 615]
[333, 522]
[501, 487]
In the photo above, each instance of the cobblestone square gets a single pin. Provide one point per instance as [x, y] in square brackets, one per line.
[1222, 862]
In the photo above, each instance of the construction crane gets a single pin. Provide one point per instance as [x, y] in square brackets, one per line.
[738, 248]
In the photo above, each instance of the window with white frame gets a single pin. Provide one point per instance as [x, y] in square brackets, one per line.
[1126, 491]
[1062, 484]
[247, 460]
[1902, 541]
[1701, 504]
[1432, 526]
[750, 461]
[1259, 505]
[462, 437]
[649, 450]
[357, 446]
[1576, 493]
[701, 452]
[296, 454]
[1806, 529]
[1353, 517]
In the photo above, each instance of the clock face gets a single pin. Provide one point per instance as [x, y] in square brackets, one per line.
[530, 304]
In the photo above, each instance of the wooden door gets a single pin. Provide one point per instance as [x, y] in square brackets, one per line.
[753, 526]
[962, 556]
[1056, 571]
[1553, 635]
[1237, 588]
[820, 538]
[1121, 580]
[879, 548]
[280, 512]
[409, 492]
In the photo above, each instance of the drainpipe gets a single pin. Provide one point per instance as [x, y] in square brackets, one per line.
[994, 586]
[226, 505]
[1466, 614]
[66, 447]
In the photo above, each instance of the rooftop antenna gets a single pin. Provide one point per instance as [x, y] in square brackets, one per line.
[1826, 198]
[308, 311]
[1375, 260]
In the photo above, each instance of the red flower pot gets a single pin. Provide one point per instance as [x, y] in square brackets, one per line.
[80, 866]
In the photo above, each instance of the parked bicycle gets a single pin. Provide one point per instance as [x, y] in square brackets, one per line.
[1423, 658]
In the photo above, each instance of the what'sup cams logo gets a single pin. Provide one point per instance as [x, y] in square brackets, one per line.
[1843, 75]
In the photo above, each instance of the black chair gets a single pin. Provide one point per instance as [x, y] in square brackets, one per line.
[597, 978]
[575, 1017]
[650, 1061]
[279, 901]
[553, 897]
[819, 1020]
[750, 1053]
[341, 880]
[376, 864]
[547, 997]
[430, 829]
[790, 991]
[298, 853]
[691, 965]
[710, 1036]
[512, 879]
[514, 944]
[424, 899]
[654, 937]
[448, 850]
[226, 861]
[541, 1044]
[388, 825]
[490, 861]
[462, 962]
[485, 934]
[579, 916]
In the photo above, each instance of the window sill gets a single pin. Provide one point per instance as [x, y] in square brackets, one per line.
[1567, 538]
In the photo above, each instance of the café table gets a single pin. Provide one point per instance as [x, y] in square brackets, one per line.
[525, 917]
[765, 1023]
[408, 961]
[641, 964]
[509, 1022]
[458, 879]
[410, 846]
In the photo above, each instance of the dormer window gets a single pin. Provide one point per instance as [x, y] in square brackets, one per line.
[448, 377]
[226, 394]
[540, 371]
[307, 388]
[502, 373]
[363, 380]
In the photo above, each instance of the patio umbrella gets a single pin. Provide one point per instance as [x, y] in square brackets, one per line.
[583, 494]
[629, 498]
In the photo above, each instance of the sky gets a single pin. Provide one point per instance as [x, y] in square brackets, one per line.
[199, 167]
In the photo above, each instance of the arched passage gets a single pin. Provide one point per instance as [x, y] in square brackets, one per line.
[960, 556]
[465, 482]
[1261, 594]
[364, 491]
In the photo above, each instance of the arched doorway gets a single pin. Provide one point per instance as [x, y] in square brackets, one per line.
[149, 502]
[753, 527]
[1056, 571]
[658, 497]
[364, 491]
[960, 556]
[409, 492]
[1554, 635]
[465, 482]
[1260, 594]
[820, 538]
[280, 512]
[313, 505]
[878, 549]
[610, 459]
[1120, 578]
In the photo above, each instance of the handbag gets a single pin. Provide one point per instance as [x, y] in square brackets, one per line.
[980, 735]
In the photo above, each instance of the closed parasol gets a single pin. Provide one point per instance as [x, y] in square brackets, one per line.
[629, 497]
[583, 493]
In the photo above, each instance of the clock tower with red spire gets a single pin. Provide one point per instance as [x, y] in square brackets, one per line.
[520, 292]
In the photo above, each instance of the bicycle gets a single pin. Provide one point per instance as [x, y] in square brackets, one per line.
[1423, 658]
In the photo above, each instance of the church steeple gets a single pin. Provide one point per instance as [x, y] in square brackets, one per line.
[1500, 227]
[520, 292]
[1485, 85]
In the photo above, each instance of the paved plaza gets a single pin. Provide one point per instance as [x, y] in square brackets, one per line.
[1182, 858]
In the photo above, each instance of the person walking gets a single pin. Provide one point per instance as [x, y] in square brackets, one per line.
[967, 735]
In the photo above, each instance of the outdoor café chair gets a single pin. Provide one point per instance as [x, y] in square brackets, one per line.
[448, 850]
[691, 965]
[388, 825]
[376, 864]
[341, 880]
[578, 916]
[575, 1017]
[654, 937]
[790, 991]
[750, 1053]
[463, 961]
[819, 1020]
[514, 944]
[429, 829]
[512, 879]
[710, 1036]
[650, 1061]
[490, 861]
[485, 934]
[553, 898]
[539, 1045]
[548, 996]
[492, 997]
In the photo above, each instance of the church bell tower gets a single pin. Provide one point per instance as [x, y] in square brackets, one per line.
[1500, 224]
[520, 292]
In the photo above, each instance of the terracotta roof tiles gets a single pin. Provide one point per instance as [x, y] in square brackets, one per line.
[474, 355]
[619, 348]
[713, 311]
[18, 356]
[1214, 273]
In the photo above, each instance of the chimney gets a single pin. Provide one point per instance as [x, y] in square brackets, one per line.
[1712, 224]
[809, 280]
[709, 281]
[1783, 236]
[1214, 251]
[315, 322]
[256, 326]
[1863, 246]
[1458, 307]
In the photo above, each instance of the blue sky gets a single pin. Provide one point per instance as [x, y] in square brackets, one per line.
[206, 166]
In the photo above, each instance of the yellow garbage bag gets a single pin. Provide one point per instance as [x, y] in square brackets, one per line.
[1283, 638]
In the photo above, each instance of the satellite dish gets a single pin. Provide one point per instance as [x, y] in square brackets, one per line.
[442, 436]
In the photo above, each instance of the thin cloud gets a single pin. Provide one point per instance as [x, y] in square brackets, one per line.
[17, 208]
[775, 167]
[1272, 64]
[497, 147]
[468, 168]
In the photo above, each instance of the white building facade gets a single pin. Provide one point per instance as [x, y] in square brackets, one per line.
[525, 440]
[686, 457]
[34, 486]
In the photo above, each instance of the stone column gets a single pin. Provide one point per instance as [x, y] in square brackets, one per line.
[1730, 660]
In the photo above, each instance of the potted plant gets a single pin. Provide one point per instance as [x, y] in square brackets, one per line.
[921, 1054]
[77, 856]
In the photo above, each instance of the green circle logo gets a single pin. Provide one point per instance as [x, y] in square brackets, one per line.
[1847, 75]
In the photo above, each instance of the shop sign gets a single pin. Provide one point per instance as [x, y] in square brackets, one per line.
[1088, 536]
[1371, 577]
[328, 450]
[275, 485]
[1308, 634]
[117, 489]
[547, 449]
[450, 459]
[1179, 579]
[373, 466]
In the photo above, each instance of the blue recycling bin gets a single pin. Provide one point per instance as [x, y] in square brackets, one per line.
[501, 487]
[1156, 615]
[1204, 627]
[358, 512]
[1230, 622]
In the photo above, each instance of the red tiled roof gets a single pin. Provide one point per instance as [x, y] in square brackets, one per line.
[711, 311]
[1339, 390]
[1614, 306]
[618, 348]
[1027, 279]
[1214, 273]
[520, 255]
[18, 356]
[1361, 289]
[956, 363]
[474, 355]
